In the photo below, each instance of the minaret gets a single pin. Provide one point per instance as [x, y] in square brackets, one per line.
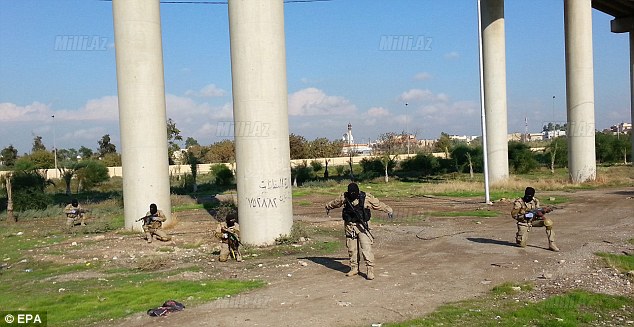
[349, 135]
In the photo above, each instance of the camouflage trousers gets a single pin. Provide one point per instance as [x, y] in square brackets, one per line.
[226, 252]
[74, 220]
[521, 237]
[356, 238]
[159, 233]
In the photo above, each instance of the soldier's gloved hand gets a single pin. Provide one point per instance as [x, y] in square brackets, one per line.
[390, 215]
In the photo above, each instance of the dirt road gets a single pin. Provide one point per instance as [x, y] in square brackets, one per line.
[422, 266]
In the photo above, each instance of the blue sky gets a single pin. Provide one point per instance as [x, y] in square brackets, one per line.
[337, 70]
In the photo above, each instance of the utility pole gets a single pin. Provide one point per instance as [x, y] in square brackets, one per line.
[54, 144]
[407, 129]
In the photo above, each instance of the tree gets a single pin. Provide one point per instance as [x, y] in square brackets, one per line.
[521, 158]
[37, 144]
[221, 152]
[111, 160]
[193, 162]
[190, 141]
[8, 156]
[85, 152]
[173, 135]
[557, 151]
[40, 159]
[444, 144]
[105, 146]
[299, 148]
[93, 173]
[67, 170]
[67, 154]
[387, 146]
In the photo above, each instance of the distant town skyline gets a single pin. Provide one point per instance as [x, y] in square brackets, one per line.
[342, 66]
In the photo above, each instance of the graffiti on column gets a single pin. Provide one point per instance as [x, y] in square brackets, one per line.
[268, 197]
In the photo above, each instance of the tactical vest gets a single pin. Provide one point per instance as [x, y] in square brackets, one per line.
[355, 213]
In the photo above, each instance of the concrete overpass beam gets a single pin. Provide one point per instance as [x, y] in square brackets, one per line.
[260, 111]
[580, 90]
[494, 76]
[142, 118]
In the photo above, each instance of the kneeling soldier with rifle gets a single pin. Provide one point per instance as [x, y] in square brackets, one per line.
[229, 234]
[528, 213]
[74, 214]
[152, 224]
[356, 214]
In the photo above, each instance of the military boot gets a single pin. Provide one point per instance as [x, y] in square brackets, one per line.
[370, 274]
[551, 240]
[354, 270]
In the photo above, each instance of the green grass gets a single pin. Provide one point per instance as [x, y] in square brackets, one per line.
[96, 299]
[575, 308]
[473, 213]
[308, 249]
[621, 262]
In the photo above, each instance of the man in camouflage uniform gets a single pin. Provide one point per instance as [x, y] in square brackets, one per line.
[356, 214]
[152, 225]
[526, 219]
[74, 214]
[228, 232]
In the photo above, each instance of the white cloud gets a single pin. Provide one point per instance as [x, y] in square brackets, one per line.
[208, 91]
[314, 102]
[14, 113]
[420, 95]
[452, 55]
[423, 76]
[104, 108]
[378, 112]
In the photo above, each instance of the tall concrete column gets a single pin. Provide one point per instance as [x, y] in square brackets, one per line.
[494, 78]
[260, 111]
[632, 94]
[142, 118]
[580, 90]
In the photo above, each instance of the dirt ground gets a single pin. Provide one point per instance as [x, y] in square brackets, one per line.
[419, 265]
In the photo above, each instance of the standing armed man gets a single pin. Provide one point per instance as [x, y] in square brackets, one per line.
[356, 214]
[528, 213]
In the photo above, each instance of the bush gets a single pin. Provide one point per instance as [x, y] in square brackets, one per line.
[317, 165]
[224, 175]
[28, 191]
[301, 173]
[94, 173]
[423, 164]
[521, 159]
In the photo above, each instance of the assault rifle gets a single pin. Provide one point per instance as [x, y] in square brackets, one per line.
[77, 211]
[233, 241]
[147, 219]
[537, 213]
[361, 220]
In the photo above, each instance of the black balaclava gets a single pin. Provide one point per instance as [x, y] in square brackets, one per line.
[353, 192]
[153, 209]
[529, 193]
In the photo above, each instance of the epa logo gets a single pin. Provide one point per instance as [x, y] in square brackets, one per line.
[24, 319]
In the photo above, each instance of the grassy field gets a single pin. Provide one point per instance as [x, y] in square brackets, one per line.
[110, 293]
[504, 307]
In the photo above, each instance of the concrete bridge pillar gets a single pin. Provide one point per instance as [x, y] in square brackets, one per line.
[580, 90]
[142, 118]
[494, 77]
[260, 113]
